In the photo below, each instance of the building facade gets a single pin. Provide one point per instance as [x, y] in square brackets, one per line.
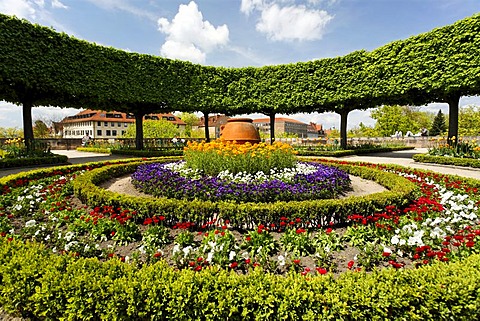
[99, 124]
[282, 126]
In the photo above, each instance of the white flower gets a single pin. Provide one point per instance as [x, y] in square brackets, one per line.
[231, 255]
[69, 235]
[395, 240]
[30, 223]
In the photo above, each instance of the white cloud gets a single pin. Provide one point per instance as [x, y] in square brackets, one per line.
[189, 37]
[293, 23]
[20, 8]
[282, 22]
[58, 5]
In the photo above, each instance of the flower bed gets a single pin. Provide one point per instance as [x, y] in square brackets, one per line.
[440, 225]
[302, 182]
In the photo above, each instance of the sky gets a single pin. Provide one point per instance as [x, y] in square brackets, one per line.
[240, 33]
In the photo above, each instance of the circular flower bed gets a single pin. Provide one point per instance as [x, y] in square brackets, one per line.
[305, 181]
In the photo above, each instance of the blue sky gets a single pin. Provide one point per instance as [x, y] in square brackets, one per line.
[237, 33]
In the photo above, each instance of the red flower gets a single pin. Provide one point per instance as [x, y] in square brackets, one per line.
[113, 233]
[328, 230]
[233, 265]
[157, 254]
[470, 244]
[350, 264]
[321, 270]
[386, 254]
[296, 261]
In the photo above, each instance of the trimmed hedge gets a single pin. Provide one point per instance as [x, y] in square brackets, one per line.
[41, 285]
[22, 162]
[348, 152]
[148, 153]
[86, 188]
[94, 150]
[456, 161]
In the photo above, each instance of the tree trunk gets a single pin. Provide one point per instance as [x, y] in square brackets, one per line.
[27, 124]
[453, 106]
[343, 128]
[139, 130]
[207, 130]
[272, 127]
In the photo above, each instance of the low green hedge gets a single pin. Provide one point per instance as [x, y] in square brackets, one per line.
[94, 150]
[25, 162]
[400, 190]
[148, 153]
[444, 160]
[349, 152]
[38, 284]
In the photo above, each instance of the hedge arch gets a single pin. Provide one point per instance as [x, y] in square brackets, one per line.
[42, 67]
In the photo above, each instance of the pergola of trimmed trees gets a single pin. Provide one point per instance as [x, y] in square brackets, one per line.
[41, 67]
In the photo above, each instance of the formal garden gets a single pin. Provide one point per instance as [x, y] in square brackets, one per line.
[233, 231]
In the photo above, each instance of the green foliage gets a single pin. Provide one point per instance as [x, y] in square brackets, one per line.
[447, 160]
[438, 126]
[41, 285]
[10, 132]
[94, 150]
[40, 130]
[391, 119]
[154, 129]
[351, 150]
[468, 120]
[190, 120]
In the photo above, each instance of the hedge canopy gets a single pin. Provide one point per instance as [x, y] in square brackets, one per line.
[41, 67]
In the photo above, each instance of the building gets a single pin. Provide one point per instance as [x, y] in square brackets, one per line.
[107, 124]
[315, 130]
[282, 126]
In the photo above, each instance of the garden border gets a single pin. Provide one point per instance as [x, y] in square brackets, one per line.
[444, 160]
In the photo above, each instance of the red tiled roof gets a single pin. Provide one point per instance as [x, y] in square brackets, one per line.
[113, 116]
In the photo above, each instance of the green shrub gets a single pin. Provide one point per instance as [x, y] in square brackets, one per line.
[32, 161]
[447, 160]
[94, 150]
[41, 285]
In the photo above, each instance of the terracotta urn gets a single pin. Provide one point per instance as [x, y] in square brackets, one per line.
[240, 130]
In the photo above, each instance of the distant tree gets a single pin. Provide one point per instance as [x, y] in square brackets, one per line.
[363, 131]
[40, 129]
[10, 132]
[468, 121]
[190, 120]
[400, 118]
[154, 129]
[438, 126]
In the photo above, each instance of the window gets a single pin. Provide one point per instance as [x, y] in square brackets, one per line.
[99, 123]
[125, 124]
[99, 132]
[105, 123]
[107, 133]
[112, 124]
[119, 124]
[114, 133]
[123, 132]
